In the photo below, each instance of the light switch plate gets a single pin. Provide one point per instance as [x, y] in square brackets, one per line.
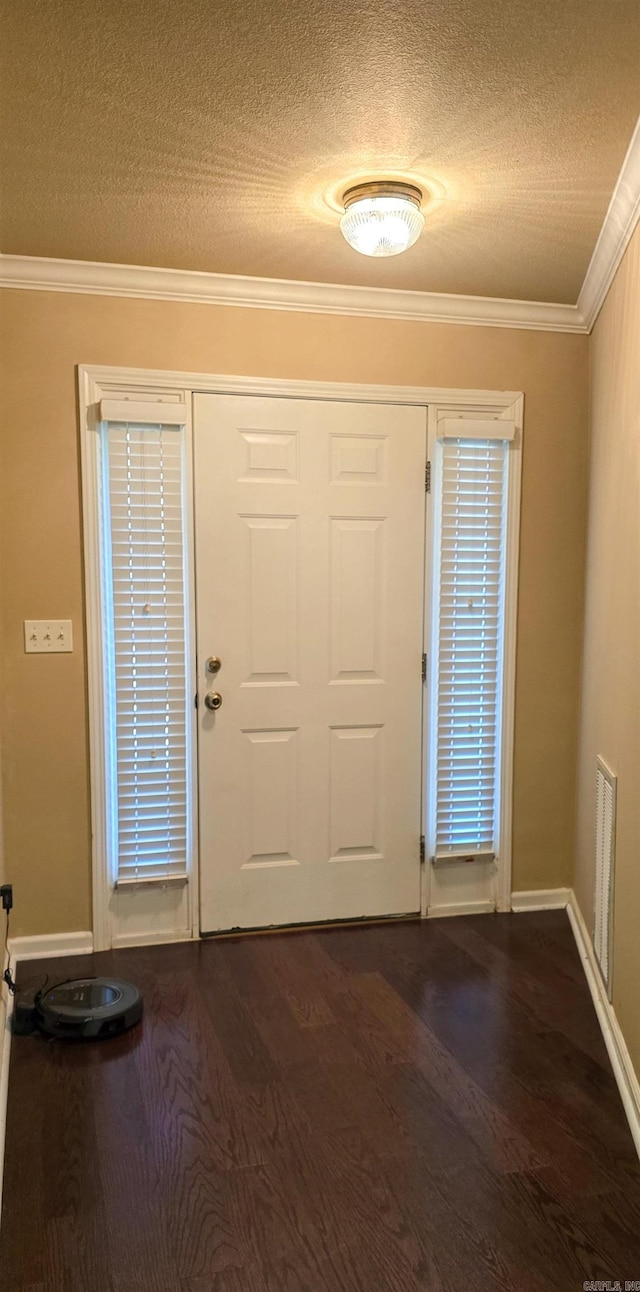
[46, 636]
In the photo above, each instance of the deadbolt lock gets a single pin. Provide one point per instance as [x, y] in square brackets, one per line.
[213, 700]
[213, 664]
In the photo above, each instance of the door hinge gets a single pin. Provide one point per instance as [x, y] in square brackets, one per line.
[423, 850]
[427, 477]
[424, 668]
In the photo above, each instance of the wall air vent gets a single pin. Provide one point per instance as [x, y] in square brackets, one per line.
[606, 789]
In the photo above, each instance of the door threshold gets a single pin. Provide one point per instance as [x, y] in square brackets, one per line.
[410, 917]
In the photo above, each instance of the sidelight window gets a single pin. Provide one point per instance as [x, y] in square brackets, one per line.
[144, 591]
[471, 563]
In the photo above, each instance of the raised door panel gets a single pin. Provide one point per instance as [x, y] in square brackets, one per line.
[269, 457]
[270, 815]
[359, 459]
[357, 789]
[356, 596]
[271, 598]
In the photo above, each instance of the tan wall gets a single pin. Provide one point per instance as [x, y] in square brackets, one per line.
[611, 676]
[44, 700]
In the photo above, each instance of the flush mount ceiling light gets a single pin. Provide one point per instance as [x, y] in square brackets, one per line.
[383, 218]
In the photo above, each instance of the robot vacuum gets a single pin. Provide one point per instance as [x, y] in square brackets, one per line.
[81, 1009]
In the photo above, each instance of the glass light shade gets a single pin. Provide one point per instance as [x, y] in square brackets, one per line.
[382, 224]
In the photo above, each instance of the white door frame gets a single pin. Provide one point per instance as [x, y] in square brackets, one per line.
[99, 382]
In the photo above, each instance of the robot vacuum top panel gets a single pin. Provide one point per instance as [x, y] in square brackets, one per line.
[89, 1007]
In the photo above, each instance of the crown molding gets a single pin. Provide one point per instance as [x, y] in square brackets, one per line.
[138, 281]
[619, 224]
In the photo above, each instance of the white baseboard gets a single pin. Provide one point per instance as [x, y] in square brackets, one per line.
[5, 1056]
[623, 1069]
[149, 939]
[462, 908]
[541, 899]
[41, 947]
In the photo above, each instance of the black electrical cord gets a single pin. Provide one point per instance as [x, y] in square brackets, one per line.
[6, 895]
[6, 977]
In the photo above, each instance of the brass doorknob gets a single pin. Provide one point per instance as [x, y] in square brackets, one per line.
[213, 700]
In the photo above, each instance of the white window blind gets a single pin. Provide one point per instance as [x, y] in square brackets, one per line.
[146, 638]
[470, 579]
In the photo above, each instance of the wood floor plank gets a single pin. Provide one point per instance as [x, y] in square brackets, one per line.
[571, 1014]
[527, 1086]
[500, 1139]
[433, 1206]
[401, 1107]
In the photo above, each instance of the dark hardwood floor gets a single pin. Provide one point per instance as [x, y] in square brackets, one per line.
[377, 1109]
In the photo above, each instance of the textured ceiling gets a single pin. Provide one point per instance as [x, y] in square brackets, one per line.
[217, 136]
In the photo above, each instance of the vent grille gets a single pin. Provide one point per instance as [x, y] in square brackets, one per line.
[606, 789]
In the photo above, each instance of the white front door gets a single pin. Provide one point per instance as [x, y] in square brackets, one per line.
[309, 575]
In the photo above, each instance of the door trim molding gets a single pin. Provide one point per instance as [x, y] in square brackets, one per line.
[107, 381]
[97, 382]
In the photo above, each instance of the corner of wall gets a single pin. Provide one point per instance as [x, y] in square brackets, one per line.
[574, 868]
[609, 715]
